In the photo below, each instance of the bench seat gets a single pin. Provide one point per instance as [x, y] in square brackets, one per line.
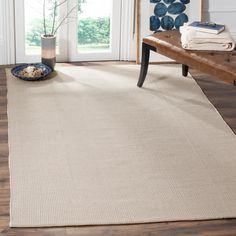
[221, 65]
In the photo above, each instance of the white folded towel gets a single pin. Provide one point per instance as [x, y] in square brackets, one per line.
[192, 39]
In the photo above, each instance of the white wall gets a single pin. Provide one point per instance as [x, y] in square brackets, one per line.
[2, 51]
[222, 11]
[7, 48]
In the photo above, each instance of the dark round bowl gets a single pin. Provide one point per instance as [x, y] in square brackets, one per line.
[46, 71]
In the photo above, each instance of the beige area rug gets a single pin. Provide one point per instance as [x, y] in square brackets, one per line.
[90, 147]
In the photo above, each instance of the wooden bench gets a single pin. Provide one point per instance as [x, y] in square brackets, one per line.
[222, 65]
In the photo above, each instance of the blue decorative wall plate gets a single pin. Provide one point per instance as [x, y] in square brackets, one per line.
[168, 14]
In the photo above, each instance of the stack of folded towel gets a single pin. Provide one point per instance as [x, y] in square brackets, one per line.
[193, 39]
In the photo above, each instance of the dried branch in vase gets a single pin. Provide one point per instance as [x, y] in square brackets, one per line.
[56, 24]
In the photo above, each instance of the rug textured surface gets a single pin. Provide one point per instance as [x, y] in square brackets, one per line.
[89, 147]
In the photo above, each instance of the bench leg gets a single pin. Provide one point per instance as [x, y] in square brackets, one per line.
[185, 70]
[144, 64]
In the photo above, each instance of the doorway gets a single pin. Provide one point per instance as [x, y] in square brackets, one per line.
[92, 31]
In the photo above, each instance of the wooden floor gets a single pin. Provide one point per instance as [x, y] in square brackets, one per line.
[223, 97]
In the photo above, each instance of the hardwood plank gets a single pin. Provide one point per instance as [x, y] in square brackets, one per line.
[217, 227]
[3, 224]
[34, 232]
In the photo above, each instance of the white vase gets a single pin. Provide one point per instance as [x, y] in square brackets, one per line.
[48, 50]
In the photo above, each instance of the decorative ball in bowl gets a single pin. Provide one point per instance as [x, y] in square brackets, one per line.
[31, 72]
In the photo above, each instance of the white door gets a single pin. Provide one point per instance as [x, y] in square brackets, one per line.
[95, 34]
[91, 33]
[29, 27]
